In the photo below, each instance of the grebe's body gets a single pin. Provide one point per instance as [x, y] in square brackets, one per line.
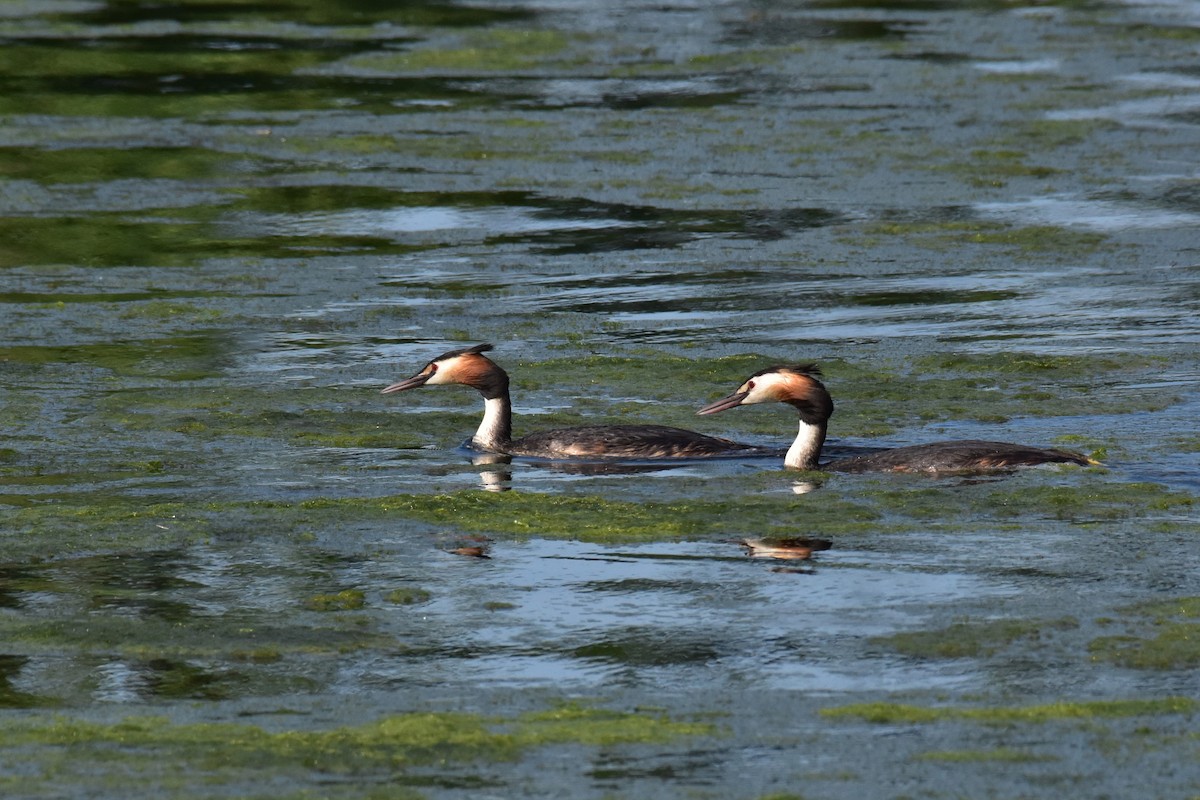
[622, 441]
[789, 549]
[469, 367]
[798, 386]
[965, 455]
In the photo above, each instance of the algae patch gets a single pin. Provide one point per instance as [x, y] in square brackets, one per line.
[119, 523]
[207, 414]
[408, 596]
[1162, 635]
[970, 639]
[346, 600]
[900, 714]
[1006, 755]
[494, 50]
[180, 358]
[1075, 495]
[592, 518]
[1044, 241]
[407, 749]
[852, 506]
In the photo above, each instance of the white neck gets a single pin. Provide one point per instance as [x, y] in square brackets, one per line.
[495, 431]
[806, 450]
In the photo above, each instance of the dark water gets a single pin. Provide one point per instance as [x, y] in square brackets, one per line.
[225, 226]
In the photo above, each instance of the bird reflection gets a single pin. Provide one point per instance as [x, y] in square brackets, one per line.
[471, 551]
[498, 478]
[604, 467]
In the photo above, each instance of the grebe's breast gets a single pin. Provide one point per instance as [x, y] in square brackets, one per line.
[627, 441]
[958, 456]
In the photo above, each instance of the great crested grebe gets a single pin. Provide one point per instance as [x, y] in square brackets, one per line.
[798, 387]
[469, 367]
[798, 549]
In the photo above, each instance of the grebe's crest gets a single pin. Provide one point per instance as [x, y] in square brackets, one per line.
[474, 349]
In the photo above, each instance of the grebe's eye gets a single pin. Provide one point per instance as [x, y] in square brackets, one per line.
[432, 367]
[749, 386]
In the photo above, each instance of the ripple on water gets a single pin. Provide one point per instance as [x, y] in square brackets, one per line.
[1165, 111]
[1099, 215]
[584, 617]
[1018, 67]
[434, 222]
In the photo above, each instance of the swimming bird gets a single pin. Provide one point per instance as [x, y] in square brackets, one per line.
[470, 367]
[794, 549]
[799, 387]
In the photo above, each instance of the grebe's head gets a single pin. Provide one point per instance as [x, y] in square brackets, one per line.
[795, 385]
[467, 366]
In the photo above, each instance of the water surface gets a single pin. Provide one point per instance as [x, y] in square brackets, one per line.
[226, 226]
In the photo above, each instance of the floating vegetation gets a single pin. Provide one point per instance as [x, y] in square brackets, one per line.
[1161, 635]
[1007, 755]
[899, 714]
[346, 600]
[164, 754]
[848, 505]
[408, 596]
[971, 639]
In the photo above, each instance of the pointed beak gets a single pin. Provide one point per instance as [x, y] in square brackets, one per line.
[724, 404]
[408, 383]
